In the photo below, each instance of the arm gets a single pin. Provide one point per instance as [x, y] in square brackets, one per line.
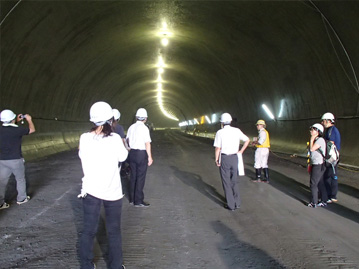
[148, 150]
[245, 145]
[217, 152]
[312, 145]
[31, 124]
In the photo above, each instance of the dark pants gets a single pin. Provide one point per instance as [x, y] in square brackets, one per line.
[113, 209]
[138, 160]
[229, 175]
[331, 181]
[317, 183]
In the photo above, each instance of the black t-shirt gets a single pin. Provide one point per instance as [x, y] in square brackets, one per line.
[119, 130]
[10, 142]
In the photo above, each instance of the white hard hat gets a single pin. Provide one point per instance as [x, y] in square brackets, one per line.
[116, 114]
[318, 126]
[100, 112]
[226, 117]
[141, 113]
[7, 115]
[328, 116]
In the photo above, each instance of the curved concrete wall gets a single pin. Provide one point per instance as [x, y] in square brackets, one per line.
[57, 58]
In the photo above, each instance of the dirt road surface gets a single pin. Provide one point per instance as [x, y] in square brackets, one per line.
[186, 225]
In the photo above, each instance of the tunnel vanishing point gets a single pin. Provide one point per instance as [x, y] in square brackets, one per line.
[185, 62]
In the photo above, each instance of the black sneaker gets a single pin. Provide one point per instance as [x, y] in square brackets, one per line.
[24, 201]
[4, 205]
[144, 204]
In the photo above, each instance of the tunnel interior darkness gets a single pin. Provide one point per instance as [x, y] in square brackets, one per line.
[300, 58]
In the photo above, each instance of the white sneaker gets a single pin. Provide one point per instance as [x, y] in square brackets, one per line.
[24, 201]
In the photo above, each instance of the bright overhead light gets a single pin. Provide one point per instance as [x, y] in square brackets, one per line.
[164, 42]
[281, 108]
[208, 120]
[269, 113]
[160, 70]
[161, 62]
[196, 121]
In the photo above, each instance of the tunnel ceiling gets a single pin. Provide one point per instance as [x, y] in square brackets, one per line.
[58, 57]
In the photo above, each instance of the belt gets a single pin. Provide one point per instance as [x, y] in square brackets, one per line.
[229, 154]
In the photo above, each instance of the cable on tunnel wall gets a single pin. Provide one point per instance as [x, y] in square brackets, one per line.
[10, 12]
[326, 23]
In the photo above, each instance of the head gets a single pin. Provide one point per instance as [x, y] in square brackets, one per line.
[7, 116]
[316, 130]
[226, 119]
[141, 114]
[260, 124]
[116, 114]
[328, 119]
[101, 115]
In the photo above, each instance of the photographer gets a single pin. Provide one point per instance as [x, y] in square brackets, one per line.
[11, 160]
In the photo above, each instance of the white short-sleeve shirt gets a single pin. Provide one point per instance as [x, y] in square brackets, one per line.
[138, 135]
[228, 139]
[99, 158]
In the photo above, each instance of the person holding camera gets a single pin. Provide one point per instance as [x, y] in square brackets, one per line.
[11, 159]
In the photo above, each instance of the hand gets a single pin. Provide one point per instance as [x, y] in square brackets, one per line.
[27, 117]
[150, 161]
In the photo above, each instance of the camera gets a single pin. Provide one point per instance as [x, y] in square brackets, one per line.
[22, 116]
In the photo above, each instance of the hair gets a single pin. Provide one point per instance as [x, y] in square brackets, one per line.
[106, 129]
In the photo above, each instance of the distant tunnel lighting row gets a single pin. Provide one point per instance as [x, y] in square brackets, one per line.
[164, 34]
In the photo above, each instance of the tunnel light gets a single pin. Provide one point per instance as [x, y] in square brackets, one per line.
[208, 120]
[214, 118]
[159, 78]
[282, 102]
[164, 42]
[161, 62]
[195, 121]
[160, 70]
[269, 113]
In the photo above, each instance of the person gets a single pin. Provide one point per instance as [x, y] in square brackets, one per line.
[330, 175]
[226, 143]
[11, 159]
[118, 129]
[100, 151]
[317, 146]
[140, 157]
[261, 154]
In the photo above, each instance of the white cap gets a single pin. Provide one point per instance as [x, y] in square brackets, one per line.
[116, 114]
[100, 112]
[7, 115]
[226, 118]
[141, 113]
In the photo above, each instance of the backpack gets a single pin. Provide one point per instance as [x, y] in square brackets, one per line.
[331, 156]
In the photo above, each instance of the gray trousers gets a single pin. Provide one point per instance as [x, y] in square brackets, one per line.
[229, 175]
[16, 167]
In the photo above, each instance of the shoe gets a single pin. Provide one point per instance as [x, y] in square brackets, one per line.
[329, 201]
[322, 204]
[226, 207]
[123, 267]
[334, 200]
[237, 206]
[4, 205]
[265, 181]
[24, 201]
[312, 205]
[131, 203]
[144, 204]
[256, 180]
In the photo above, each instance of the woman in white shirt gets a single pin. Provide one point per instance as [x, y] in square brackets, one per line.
[100, 152]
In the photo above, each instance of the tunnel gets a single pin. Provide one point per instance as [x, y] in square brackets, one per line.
[185, 62]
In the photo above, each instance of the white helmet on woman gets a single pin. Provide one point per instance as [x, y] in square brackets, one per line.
[116, 114]
[226, 118]
[7, 115]
[328, 116]
[100, 112]
[319, 127]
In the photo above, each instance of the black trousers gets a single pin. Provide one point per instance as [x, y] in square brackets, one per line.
[317, 183]
[331, 181]
[138, 160]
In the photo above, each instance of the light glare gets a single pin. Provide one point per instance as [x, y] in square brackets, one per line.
[269, 113]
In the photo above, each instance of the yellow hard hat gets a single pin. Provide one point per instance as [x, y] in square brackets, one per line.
[261, 122]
